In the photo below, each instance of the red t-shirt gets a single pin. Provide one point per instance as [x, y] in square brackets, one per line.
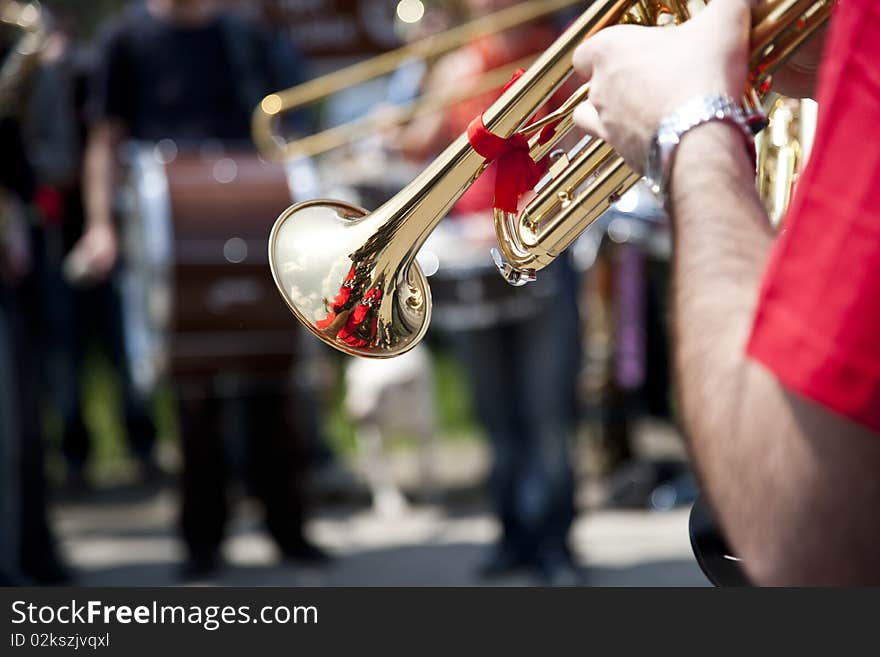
[818, 320]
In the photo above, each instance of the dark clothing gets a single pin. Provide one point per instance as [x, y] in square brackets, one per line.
[189, 84]
[37, 557]
[193, 84]
[26, 543]
[73, 317]
[15, 175]
[268, 423]
[523, 377]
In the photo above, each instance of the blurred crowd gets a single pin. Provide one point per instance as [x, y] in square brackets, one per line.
[134, 215]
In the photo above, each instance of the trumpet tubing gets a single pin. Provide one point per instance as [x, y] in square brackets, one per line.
[366, 126]
[783, 149]
[351, 276]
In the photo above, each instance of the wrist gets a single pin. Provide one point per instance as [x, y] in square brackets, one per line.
[709, 155]
[100, 226]
[698, 112]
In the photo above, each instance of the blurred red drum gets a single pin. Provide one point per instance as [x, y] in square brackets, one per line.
[199, 301]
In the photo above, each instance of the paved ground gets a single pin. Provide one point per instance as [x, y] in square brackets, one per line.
[126, 537]
[131, 543]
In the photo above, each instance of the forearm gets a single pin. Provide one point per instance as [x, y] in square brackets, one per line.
[99, 178]
[772, 464]
[794, 485]
[721, 242]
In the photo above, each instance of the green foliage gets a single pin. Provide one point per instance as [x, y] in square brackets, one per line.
[454, 409]
[453, 397]
[104, 417]
[103, 411]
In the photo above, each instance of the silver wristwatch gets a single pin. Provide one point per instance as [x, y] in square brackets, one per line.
[718, 107]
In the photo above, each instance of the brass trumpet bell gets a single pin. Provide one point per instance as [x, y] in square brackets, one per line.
[377, 310]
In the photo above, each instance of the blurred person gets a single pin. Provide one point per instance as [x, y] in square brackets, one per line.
[28, 553]
[186, 70]
[521, 367]
[27, 548]
[777, 338]
[75, 316]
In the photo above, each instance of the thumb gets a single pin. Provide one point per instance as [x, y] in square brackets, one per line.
[587, 119]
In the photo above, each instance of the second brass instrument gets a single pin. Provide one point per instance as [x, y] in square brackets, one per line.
[783, 149]
[351, 277]
[274, 145]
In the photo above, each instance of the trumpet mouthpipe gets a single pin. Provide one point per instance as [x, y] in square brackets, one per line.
[584, 184]
[520, 102]
[768, 15]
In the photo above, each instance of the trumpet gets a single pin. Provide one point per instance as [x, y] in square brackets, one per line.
[351, 277]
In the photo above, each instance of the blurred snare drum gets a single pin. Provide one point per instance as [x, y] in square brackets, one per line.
[198, 297]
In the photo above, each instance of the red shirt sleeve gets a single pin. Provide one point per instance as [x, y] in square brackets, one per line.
[817, 326]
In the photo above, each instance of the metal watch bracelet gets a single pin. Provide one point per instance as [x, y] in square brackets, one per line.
[694, 113]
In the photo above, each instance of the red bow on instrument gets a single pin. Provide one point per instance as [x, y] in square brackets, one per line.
[516, 171]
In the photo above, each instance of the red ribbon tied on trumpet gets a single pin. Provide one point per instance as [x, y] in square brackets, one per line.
[515, 170]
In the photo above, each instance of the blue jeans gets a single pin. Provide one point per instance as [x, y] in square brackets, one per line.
[523, 379]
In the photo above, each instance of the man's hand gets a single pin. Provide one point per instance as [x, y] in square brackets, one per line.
[93, 257]
[639, 75]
